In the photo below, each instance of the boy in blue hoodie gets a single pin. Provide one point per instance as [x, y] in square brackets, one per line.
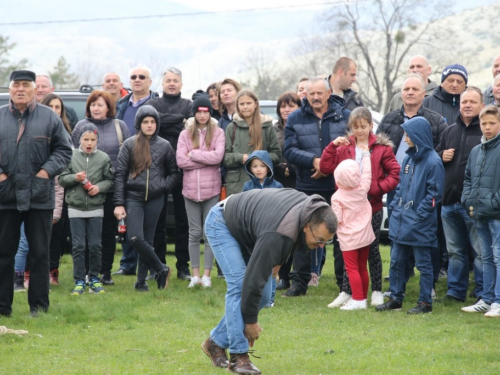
[413, 223]
[259, 167]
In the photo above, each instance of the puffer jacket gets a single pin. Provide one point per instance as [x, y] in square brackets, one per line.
[254, 182]
[97, 166]
[233, 157]
[391, 123]
[414, 208]
[30, 141]
[351, 205]
[385, 168]
[108, 138]
[173, 111]
[153, 182]
[481, 194]
[202, 178]
[463, 139]
[444, 103]
[306, 136]
[279, 169]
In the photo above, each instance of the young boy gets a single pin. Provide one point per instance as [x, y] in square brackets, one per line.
[87, 180]
[481, 199]
[413, 223]
[259, 167]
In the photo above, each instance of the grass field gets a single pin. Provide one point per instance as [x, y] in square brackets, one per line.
[160, 332]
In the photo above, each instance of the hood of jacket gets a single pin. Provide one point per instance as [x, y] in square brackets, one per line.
[347, 174]
[265, 119]
[145, 111]
[261, 155]
[311, 204]
[420, 133]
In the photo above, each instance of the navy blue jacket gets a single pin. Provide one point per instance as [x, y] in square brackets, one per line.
[481, 194]
[414, 207]
[306, 136]
[254, 182]
[122, 104]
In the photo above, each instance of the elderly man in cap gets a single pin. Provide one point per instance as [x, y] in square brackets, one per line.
[34, 147]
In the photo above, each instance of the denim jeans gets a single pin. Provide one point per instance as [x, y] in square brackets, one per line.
[228, 334]
[90, 228]
[316, 256]
[22, 252]
[488, 232]
[459, 231]
[398, 275]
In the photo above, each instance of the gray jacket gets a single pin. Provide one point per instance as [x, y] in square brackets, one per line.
[29, 142]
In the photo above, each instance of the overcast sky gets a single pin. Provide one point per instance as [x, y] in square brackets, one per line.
[205, 46]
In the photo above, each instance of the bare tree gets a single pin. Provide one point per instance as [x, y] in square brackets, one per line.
[381, 35]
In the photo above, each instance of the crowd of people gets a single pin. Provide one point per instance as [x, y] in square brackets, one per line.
[318, 175]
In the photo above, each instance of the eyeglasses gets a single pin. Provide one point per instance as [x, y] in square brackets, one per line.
[320, 242]
[141, 77]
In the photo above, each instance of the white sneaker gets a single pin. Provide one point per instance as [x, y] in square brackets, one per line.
[352, 304]
[195, 280]
[340, 300]
[494, 311]
[314, 279]
[479, 307]
[206, 282]
[377, 298]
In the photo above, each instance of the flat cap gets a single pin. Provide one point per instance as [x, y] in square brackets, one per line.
[22, 75]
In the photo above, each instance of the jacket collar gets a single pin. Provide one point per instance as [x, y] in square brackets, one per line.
[171, 99]
[29, 108]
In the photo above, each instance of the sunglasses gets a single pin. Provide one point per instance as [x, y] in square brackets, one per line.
[141, 77]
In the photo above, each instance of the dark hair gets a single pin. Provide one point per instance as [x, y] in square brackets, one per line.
[474, 89]
[110, 102]
[288, 97]
[46, 101]
[324, 215]
[226, 81]
[141, 153]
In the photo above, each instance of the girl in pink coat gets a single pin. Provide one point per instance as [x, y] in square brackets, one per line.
[199, 153]
[354, 213]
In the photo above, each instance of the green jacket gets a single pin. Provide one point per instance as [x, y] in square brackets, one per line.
[99, 172]
[237, 140]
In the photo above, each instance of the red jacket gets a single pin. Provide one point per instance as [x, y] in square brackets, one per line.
[385, 168]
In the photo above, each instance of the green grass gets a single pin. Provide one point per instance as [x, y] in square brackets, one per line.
[160, 332]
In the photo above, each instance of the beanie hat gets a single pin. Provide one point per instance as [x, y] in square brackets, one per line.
[201, 103]
[454, 69]
[89, 128]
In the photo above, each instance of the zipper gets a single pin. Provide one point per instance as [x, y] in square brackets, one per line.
[198, 184]
[87, 195]
[147, 184]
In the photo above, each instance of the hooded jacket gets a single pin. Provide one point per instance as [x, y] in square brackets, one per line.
[391, 125]
[268, 224]
[202, 176]
[385, 168]
[173, 111]
[351, 205]
[463, 139]
[481, 193]
[238, 130]
[254, 182]
[30, 141]
[414, 208]
[444, 103]
[306, 136]
[152, 182]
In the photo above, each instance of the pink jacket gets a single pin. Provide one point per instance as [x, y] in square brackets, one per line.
[202, 178]
[350, 204]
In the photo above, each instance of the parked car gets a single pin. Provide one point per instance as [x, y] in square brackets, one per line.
[268, 107]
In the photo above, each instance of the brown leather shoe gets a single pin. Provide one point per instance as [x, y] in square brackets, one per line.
[215, 353]
[241, 364]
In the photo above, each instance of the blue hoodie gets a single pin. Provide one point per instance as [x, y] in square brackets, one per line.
[254, 182]
[414, 217]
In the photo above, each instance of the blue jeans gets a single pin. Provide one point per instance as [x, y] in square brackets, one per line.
[228, 334]
[459, 231]
[488, 232]
[316, 257]
[398, 275]
[22, 252]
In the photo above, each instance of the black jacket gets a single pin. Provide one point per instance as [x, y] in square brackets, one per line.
[154, 181]
[351, 98]
[173, 111]
[444, 103]
[463, 139]
[391, 125]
